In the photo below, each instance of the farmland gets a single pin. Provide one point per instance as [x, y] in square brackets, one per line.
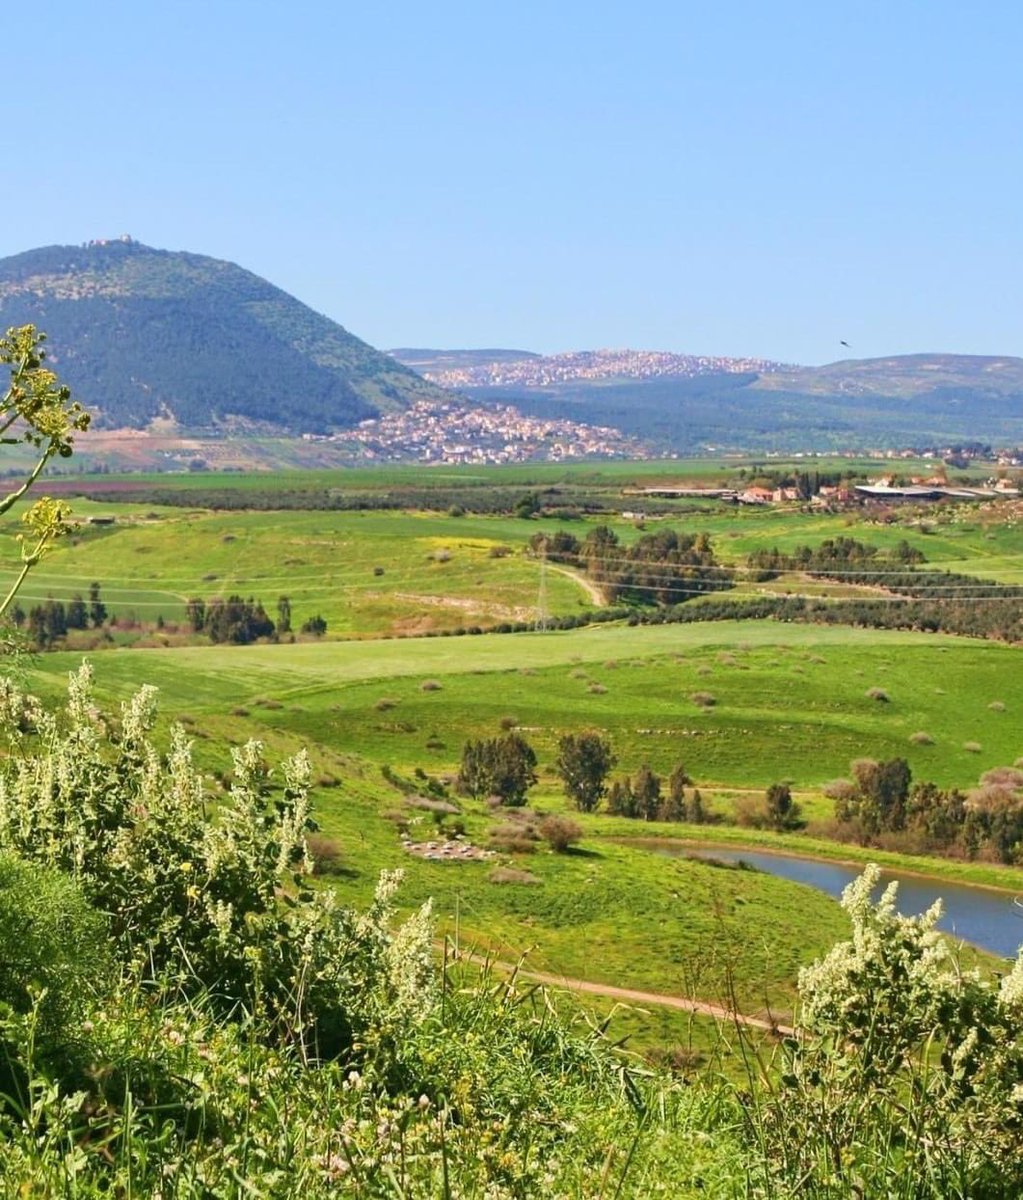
[410, 669]
[780, 701]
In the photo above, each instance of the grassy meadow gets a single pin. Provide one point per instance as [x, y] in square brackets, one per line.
[742, 704]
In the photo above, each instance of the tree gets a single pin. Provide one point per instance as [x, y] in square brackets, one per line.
[584, 762]
[36, 409]
[504, 767]
[77, 613]
[646, 787]
[474, 774]
[674, 807]
[97, 609]
[283, 615]
[620, 800]
[196, 612]
[782, 811]
[882, 794]
[317, 626]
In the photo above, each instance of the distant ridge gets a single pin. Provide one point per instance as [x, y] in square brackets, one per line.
[700, 404]
[146, 335]
[504, 368]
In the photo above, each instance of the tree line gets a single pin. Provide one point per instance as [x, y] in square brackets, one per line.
[660, 568]
[50, 621]
[240, 622]
[505, 768]
[880, 805]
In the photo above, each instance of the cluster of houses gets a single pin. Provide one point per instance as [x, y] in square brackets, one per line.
[884, 489]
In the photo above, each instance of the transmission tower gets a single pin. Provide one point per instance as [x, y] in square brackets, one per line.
[541, 599]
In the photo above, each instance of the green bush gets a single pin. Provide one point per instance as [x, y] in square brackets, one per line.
[53, 951]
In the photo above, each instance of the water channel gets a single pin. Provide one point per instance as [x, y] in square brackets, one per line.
[986, 918]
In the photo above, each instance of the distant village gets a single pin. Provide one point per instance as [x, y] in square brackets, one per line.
[537, 371]
[449, 432]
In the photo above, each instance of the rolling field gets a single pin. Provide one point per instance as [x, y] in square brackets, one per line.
[608, 912]
[380, 573]
[742, 704]
[366, 573]
[789, 701]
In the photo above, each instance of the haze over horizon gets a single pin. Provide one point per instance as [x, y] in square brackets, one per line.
[742, 182]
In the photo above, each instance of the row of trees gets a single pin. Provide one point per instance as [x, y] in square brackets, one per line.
[880, 803]
[505, 767]
[661, 568]
[50, 621]
[243, 621]
[644, 798]
[840, 554]
[971, 615]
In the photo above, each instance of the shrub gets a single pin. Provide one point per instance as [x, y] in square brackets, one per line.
[53, 951]
[703, 699]
[196, 904]
[326, 854]
[1011, 777]
[996, 706]
[597, 689]
[972, 747]
[879, 694]
[921, 739]
[430, 685]
[385, 704]
[511, 844]
[560, 833]
[508, 723]
[434, 806]
[512, 875]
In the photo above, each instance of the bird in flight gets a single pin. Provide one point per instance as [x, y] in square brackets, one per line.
[841, 343]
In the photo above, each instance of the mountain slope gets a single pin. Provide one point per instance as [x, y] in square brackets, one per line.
[142, 334]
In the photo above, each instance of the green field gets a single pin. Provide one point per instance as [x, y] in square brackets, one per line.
[790, 702]
[373, 573]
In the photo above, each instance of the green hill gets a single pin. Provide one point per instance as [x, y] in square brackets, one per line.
[142, 334]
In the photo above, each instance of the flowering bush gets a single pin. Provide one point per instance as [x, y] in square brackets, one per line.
[906, 1078]
[203, 899]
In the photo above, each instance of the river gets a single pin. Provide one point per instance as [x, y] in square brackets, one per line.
[985, 918]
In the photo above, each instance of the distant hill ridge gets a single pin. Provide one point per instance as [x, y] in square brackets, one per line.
[142, 335]
[908, 374]
[503, 368]
[697, 404]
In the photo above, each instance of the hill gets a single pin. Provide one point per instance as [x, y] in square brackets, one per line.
[143, 335]
[692, 404]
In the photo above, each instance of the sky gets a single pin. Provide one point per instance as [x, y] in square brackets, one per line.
[744, 179]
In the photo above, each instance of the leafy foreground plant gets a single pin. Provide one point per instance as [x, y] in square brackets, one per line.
[247, 1035]
[907, 1080]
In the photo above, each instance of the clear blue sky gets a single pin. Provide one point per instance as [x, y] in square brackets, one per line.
[730, 178]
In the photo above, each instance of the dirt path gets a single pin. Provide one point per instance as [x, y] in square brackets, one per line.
[633, 996]
[595, 594]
